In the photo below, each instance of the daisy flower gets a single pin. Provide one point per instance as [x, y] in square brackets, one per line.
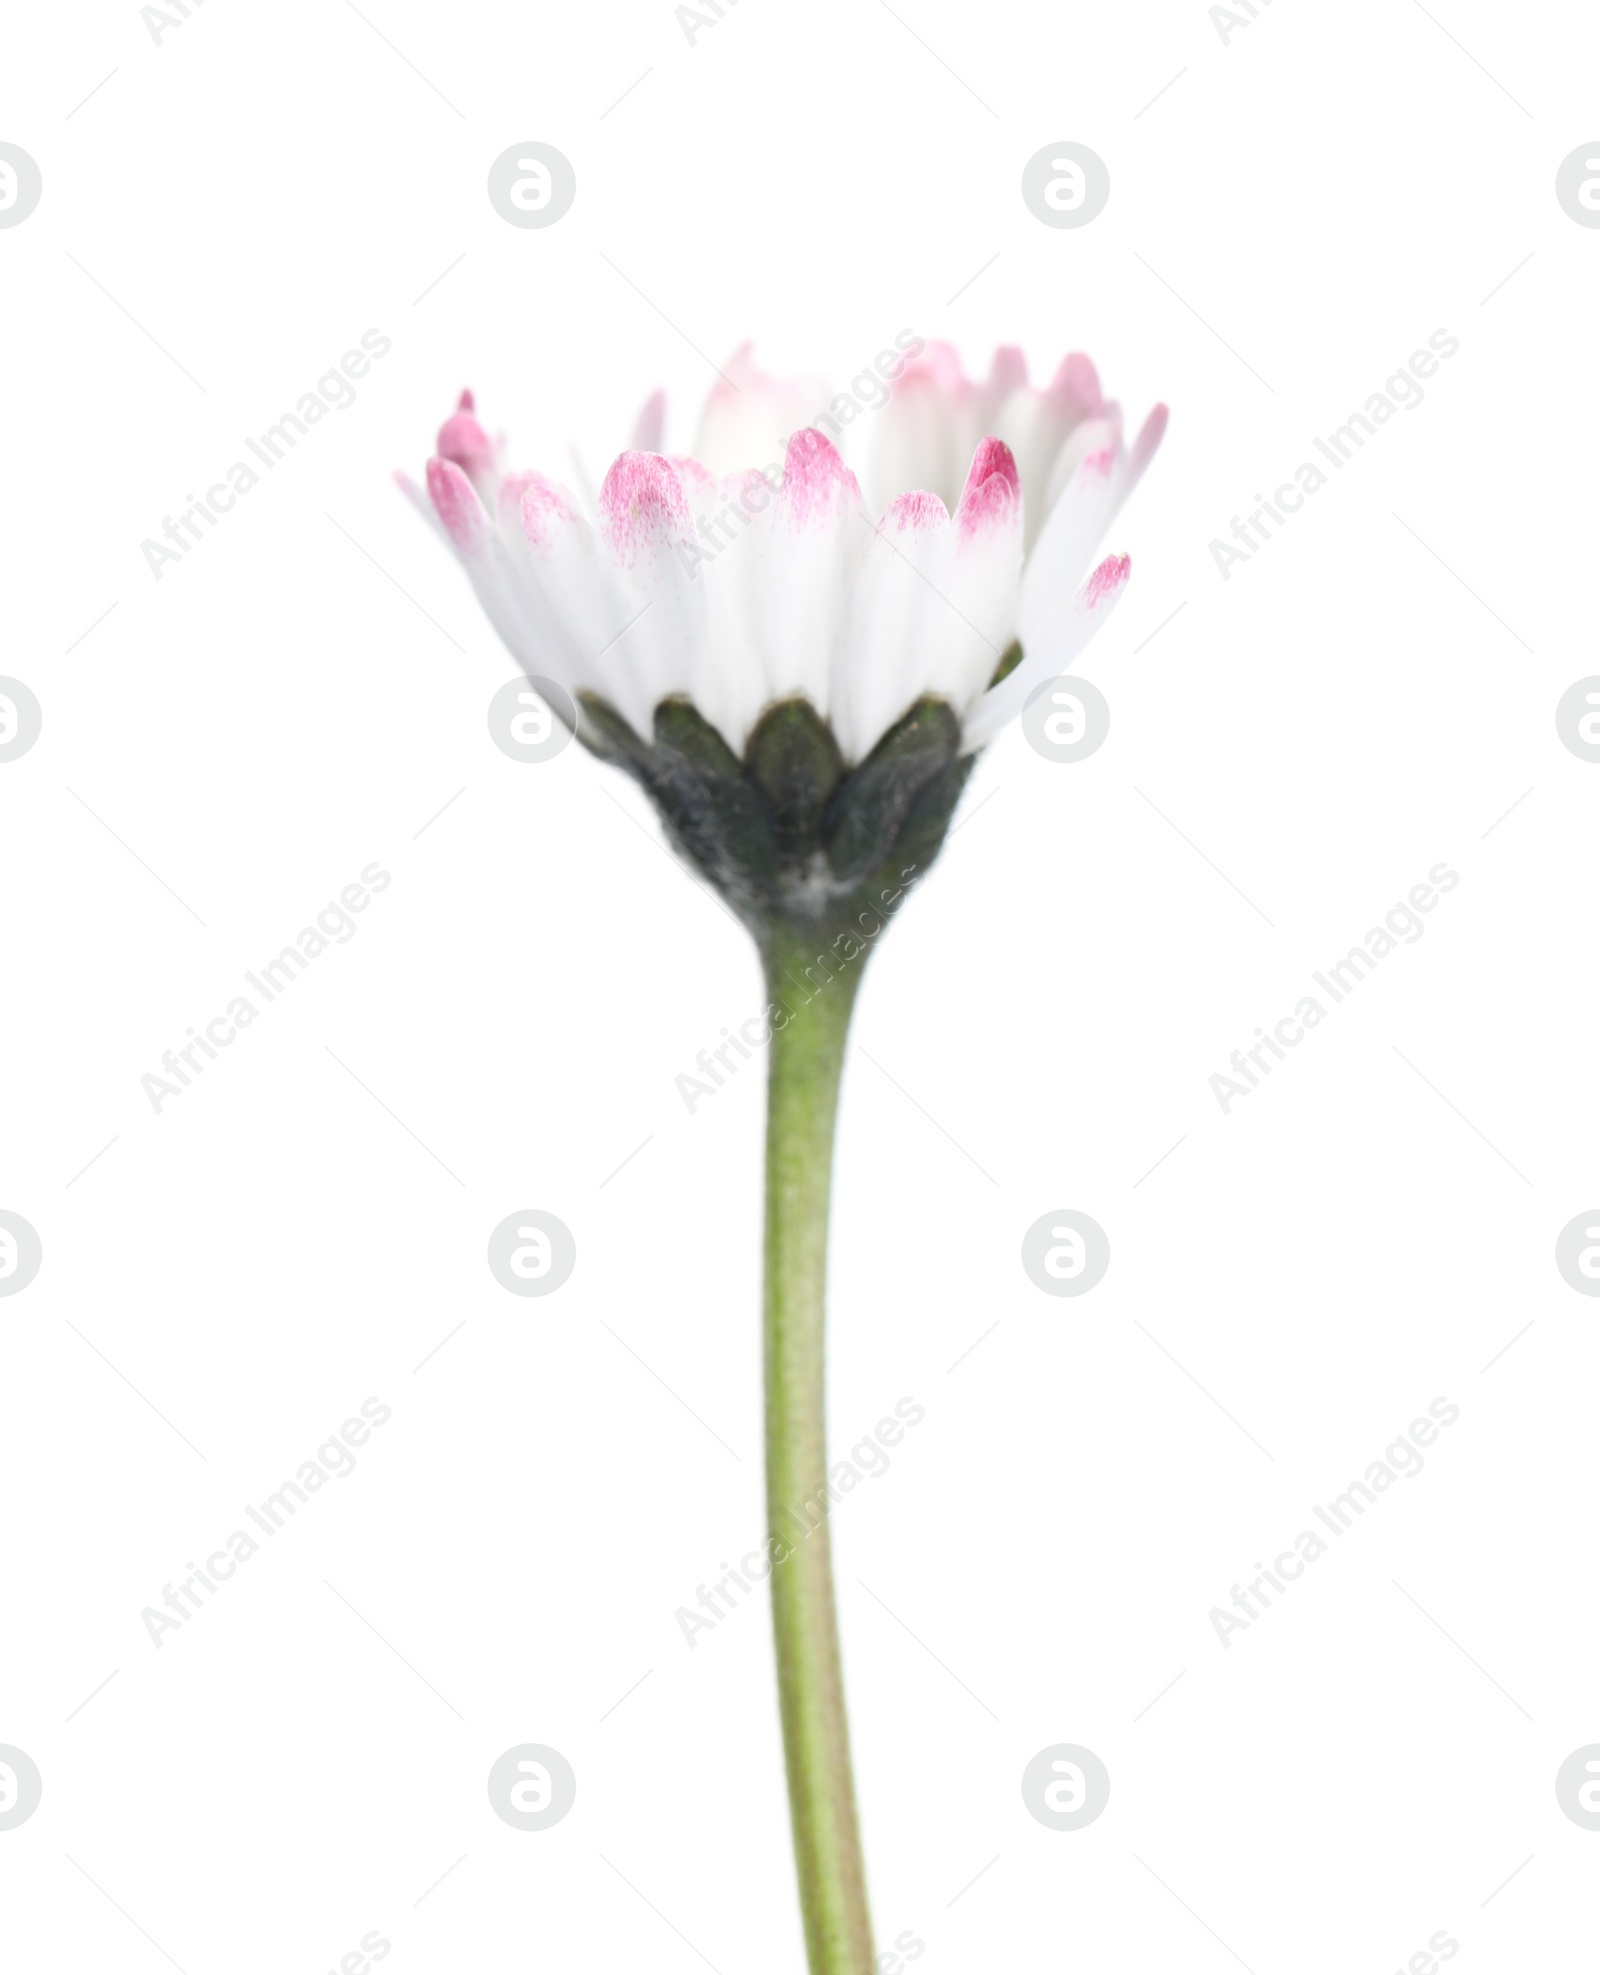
[800, 676]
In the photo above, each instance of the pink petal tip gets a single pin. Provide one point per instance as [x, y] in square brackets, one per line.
[992, 493]
[1107, 581]
[537, 505]
[463, 439]
[815, 479]
[642, 502]
[456, 503]
[908, 513]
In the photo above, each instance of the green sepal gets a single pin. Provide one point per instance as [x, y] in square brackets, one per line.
[796, 763]
[719, 817]
[872, 803]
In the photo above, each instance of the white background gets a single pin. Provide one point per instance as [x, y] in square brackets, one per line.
[1295, 1283]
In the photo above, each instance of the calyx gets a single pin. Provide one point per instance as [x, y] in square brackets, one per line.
[790, 837]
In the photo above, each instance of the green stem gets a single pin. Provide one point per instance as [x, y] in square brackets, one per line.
[806, 1058]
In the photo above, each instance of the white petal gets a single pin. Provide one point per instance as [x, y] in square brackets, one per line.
[1089, 610]
[1142, 452]
[555, 551]
[924, 436]
[734, 525]
[900, 609]
[1066, 544]
[505, 597]
[984, 576]
[820, 533]
[1051, 431]
[659, 641]
[749, 416]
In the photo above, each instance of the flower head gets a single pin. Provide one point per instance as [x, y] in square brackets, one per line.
[799, 685]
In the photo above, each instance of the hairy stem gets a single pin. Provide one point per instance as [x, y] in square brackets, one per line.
[806, 1058]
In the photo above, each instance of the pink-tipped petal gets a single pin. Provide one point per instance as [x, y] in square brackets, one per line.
[1107, 581]
[1065, 548]
[913, 514]
[533, 507]
[1049, 654]
[982, 588]
[749, 416]
[816, 481]
[993, 491]
[924, 436]
[649, 558]
[700, 485]
[1043, 429]
[938, 363]
[455, 501]
[463, 441]
[549, 553]
[515, 609]
[642, 506]
[819, 535]
[1075, 390]
[1091, 439]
